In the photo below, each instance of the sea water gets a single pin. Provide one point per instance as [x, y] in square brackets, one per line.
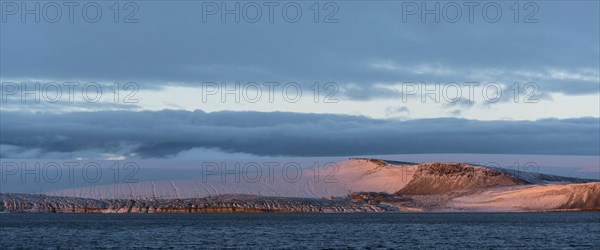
[268, 230]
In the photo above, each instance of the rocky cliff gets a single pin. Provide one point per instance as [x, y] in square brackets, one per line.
[445, 178]
[213, 204]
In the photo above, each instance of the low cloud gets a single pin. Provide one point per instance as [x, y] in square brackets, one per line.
[170, 133]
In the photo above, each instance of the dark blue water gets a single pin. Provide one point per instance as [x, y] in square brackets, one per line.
[440, 231]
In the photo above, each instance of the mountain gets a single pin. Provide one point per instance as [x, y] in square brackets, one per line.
[353, 185]
[442, 178]
[463, 187]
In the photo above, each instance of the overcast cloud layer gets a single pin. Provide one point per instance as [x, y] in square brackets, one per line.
[168, 133]
[369, 44]
[371, 49]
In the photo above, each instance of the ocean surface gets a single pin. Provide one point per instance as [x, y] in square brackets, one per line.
[265, 231]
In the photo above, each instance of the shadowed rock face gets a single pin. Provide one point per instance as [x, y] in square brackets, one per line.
[374, 197]
[445, 178]
[383, 163]
[214, 204]
[379, 163]
[537, 178]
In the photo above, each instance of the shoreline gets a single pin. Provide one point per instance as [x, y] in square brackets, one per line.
[229, 204]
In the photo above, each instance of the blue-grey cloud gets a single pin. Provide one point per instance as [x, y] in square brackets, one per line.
[171, 45]
[168, 133]
[397, 110]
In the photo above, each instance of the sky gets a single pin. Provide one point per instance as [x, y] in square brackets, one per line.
[170, 79]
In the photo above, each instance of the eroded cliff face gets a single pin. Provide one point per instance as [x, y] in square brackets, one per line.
[580, 196]
[550, 197]
[214, 204]
[447, 178]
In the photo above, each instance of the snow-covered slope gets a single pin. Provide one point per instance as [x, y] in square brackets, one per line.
[335, 180]
[552, 197]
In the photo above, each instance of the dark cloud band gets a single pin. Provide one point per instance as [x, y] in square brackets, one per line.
[167, 133]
